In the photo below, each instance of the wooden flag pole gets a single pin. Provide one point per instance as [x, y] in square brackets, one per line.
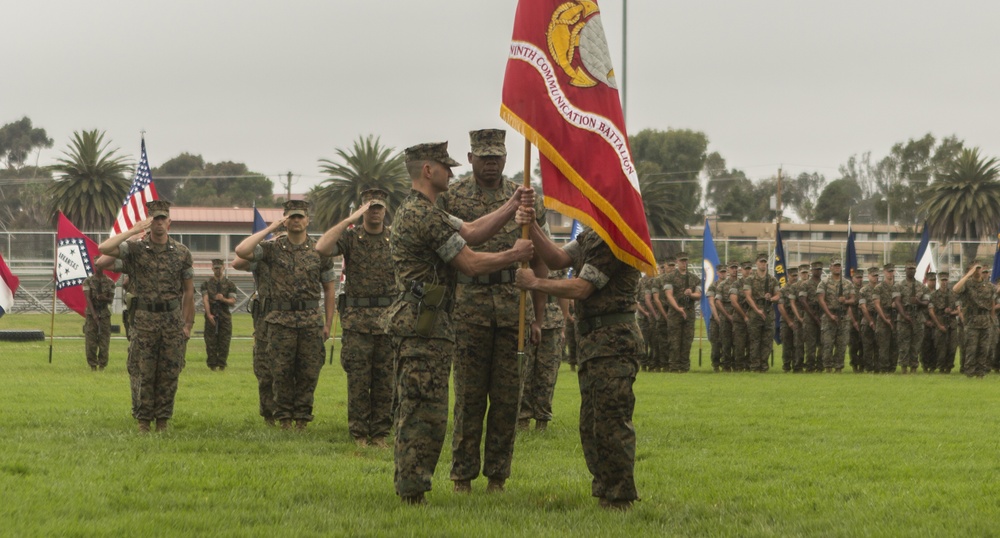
[52, 325]
[524, 235]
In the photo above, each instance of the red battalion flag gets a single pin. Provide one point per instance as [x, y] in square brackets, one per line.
[75, 256]
[560, 92]
[143, 190]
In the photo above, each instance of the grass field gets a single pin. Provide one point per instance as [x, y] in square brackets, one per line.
[718, 455]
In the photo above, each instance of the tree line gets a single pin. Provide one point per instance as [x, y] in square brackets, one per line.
[954, 188]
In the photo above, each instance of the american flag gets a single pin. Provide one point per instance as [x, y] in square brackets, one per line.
[143, 190]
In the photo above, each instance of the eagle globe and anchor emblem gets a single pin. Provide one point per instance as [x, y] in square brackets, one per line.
[576, 26]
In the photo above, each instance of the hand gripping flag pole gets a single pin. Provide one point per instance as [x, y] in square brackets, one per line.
[522, 306]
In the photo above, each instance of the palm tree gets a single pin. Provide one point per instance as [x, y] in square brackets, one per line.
[964, 202]
[664, 216]
[92, 183]
[369, 164]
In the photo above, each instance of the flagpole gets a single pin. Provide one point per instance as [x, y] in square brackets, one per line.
[55, 284]
[524, 265]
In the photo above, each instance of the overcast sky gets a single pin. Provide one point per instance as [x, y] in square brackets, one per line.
[279, 85]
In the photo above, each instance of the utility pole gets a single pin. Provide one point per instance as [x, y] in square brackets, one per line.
[779, 194]
[288, 187]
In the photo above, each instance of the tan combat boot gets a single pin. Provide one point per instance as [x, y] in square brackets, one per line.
[143, 426]
[496, 485]
[463, 486]
[161, 424]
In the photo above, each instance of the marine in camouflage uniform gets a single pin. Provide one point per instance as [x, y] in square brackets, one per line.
[812, 323]
[867, 317]
[883, 297]
[302, 280]
[836, 298]
[741, 319]
[658, 303]
[714, 325]
[161, 274]
[370, 287]
[977, 297]
[260, 305]
[427, 246]
[542, 366]
[928, 353]
[789, 323]
[99, 292]
[854, 343]
[946, 341]
[760, 291]
[725, 309]
[218, 295]
[683, 291]
[911, 302]
[798, 311]
[486, 369]
[644, 317]
[609, 347]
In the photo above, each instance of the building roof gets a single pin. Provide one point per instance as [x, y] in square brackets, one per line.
[229, 215]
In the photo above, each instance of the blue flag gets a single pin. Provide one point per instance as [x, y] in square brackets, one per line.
[925, 260]
[781, 275]
[995, 273]
[852, 254]
[709, 261]
[258, 222]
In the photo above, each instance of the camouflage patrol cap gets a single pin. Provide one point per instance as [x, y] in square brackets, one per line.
[488, 142]
[889, 267]
[721, 268]
[734, 264]
[158, 208]
[217, 262]
[873, 270]
[670, 260]
[944, 275]
[430, 151]
[835, 262]
[804, 268]
[762, 256]
[911, 265]
[296, 207]
[376, 195]
[682, 256]
[746, 264]
[816, 265]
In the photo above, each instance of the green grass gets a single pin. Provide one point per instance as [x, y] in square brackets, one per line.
[718, 455]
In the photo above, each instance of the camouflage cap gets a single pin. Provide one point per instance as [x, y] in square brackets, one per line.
[944, 275]
[889, 267]
[734, 264]
[873, 270]
[911, 265]
[430, 151]
[721, 268]
[762, 256]
[746, 264]
[816, 265]
[296, 207]
[158, 208]
[804, 267]
[488, 142]
[217, 262]
[835, 262]
[376, 195]
[682, 256]
[670, 260]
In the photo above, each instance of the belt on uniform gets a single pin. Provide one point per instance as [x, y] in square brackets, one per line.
[294, 306]
[369, 301]
[503, 276]
[588, 325]
[445, 305]
[158, 306]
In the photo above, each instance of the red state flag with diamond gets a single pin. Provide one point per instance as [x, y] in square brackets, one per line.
[75, 255]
